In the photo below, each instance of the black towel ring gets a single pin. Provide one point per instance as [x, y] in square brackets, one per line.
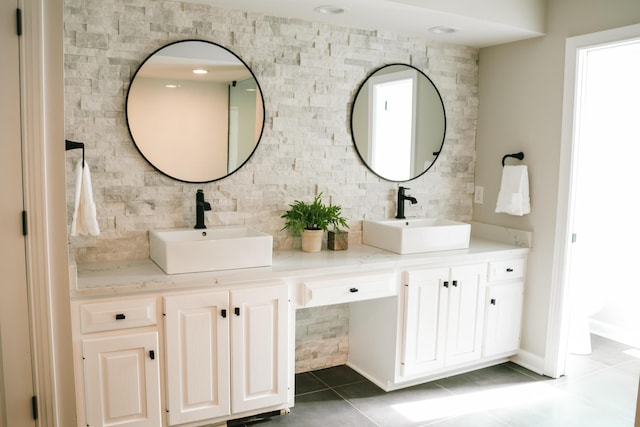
[518, 156]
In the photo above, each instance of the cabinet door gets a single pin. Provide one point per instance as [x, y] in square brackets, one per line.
[426, 297]
[197, 343]
[503, 318]
[259, 329]
[465, 314]
[122, 380]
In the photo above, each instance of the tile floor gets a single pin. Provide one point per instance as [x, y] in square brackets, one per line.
[599, 391]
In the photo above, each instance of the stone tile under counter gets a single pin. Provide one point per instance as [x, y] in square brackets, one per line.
[141, 276]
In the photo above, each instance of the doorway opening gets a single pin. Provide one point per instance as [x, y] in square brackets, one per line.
[607, 136]
[594, 284]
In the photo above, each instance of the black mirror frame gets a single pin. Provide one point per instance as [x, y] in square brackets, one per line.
[126, 105]
[353, 104]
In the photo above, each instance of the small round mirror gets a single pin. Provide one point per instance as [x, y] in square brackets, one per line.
[195, 111]
[398, 122]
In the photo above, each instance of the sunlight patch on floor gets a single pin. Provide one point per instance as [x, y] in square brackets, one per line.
[432, 409]
[633, 352]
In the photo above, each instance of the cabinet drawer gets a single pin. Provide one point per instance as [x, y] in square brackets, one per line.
[337, 290]
[507, 269]
[118, 314]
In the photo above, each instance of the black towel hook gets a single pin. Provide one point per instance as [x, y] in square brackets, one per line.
[72, 145]
[518, 156]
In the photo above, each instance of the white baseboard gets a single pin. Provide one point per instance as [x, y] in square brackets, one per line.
[531, 361]
[630, 337]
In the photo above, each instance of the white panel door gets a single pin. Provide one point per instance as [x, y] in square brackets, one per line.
[465, 313]
[122, 380]
[426, 296]
[259, 329]
[503, 318]
[16, 383]
[197, 354]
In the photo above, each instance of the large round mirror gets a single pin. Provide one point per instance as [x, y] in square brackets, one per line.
[195, 111]
[398, 122]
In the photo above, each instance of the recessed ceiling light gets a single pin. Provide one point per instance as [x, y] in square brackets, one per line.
[329, 9]
[200, 71]
[443, 30]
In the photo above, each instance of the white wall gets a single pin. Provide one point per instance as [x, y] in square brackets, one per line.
[520, 93]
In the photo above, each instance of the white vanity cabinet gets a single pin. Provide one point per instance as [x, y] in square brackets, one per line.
[120, 361]
[226, 352]
[443, 317]
[504, 298]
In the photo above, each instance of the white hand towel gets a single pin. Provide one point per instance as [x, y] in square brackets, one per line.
[84, 219]
[513, 198]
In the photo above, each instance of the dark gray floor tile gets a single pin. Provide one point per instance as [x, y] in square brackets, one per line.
[484, 379]
[532, 375]
[579, 365]
[413, 406]
[608, 352]
[559, 412]
[306, 383]
[631, 367]
[338, 375]
[610, 391]
[320, 409]
[471, 420]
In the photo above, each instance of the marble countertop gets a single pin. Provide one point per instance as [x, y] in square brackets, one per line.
[114, 278]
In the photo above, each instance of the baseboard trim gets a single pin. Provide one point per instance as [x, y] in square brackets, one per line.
[615, 333]
[531, 361]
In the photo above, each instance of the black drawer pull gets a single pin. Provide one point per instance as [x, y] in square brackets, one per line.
[152, 355]
[223, 313]
[446, 284]
[509, 270]
[493, 301]
[455, 283]
[120, 316]
[236, 311]
[353, 290]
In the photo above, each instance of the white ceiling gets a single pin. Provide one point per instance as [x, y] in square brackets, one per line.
[479, 23]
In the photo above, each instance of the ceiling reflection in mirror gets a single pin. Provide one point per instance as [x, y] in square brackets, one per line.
[195, 111]
[398, 122]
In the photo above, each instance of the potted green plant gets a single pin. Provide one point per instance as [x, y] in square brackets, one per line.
[311, 220]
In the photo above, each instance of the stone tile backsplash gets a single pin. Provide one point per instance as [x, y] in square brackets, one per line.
[309, 73]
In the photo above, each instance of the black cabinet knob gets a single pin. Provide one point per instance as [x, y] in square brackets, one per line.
[223, 313]
[120, 316]
[353, 290]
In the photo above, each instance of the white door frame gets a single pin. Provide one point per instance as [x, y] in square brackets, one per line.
[558, 325]
[42, 112]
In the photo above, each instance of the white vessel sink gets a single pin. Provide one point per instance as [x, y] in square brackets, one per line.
[218, 248]
[411, 236]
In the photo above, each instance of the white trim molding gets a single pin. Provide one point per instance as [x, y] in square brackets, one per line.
[42, 94]
[558, 322]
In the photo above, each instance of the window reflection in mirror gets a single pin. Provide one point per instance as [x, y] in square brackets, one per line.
[195, 126]
[398, 122]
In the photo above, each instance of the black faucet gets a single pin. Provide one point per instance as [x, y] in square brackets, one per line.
[201, 206]
[401, 198]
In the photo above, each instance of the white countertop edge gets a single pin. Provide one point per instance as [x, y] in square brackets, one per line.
[141, 276]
